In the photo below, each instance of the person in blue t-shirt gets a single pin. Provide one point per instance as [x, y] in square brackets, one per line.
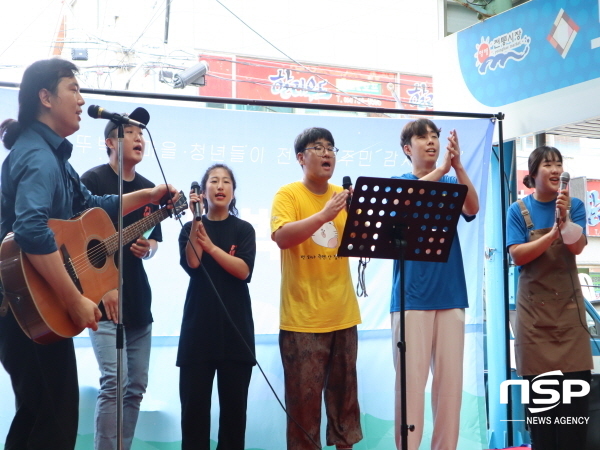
[435, 296]
[544, 232]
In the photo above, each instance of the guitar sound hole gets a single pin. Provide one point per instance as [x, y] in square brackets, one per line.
[96, 252]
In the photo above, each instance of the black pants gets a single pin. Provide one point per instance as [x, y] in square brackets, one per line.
[195, 391]
[44, 380]
[556, 435]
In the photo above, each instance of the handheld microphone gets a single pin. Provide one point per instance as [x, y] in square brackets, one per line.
[564, 183]
[347, 184]
[564, 180]
[97, 112]
[197, 205]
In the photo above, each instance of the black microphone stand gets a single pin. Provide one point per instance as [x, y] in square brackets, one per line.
[400, 245]
[120, 331]
[402, 219]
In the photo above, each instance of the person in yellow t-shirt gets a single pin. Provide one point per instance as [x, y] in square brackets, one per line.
[318, 338]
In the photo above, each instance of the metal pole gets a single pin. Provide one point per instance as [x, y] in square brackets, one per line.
[504, 254]
[119, 340]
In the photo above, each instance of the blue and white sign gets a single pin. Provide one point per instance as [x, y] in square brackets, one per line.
[535, 48]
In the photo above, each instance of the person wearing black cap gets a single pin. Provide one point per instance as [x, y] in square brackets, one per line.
[137, 296]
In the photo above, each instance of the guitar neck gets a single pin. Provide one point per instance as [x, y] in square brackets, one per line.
[135, 230]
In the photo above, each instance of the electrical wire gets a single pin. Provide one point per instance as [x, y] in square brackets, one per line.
[25, 28]
[283, 53]
[361, 285]
[259, 83]
[130, 49]
[356, 78]
[478, 2]
[152, 20]
[306, 70]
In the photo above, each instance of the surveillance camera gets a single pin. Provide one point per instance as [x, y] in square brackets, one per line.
[193, 75]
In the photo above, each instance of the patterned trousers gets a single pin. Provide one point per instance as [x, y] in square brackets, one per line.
[315, 364]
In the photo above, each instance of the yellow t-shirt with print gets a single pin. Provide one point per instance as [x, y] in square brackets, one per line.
[317, 295]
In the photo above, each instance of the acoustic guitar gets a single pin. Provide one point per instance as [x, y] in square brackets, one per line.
[86, 244]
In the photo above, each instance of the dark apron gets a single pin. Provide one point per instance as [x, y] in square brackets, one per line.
[551, 329]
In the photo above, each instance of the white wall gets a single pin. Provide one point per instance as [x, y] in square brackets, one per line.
[589, 256]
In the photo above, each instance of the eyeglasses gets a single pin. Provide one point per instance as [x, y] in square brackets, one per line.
[321, 150]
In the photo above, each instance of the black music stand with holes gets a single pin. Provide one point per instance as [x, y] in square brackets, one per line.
[395, 218]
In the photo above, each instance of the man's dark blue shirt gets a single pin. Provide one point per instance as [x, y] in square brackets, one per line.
[39, 183]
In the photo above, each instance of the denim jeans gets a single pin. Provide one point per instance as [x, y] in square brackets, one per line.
[136, 359]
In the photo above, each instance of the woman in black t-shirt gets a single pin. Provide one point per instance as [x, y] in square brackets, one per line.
[217, 330]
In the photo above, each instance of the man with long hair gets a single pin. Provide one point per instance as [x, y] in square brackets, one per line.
[38, 184]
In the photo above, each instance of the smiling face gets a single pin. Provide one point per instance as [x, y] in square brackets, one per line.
[133, 145]
[547, 178]
[424, 149]
[317, 168]
[62, 110]
[218, 190]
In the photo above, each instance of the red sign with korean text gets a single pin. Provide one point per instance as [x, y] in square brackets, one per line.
[256, 79]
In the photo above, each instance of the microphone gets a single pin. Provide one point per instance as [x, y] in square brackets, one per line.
[197, 205]
[347, 184]
[564, 183]
[97, 112]
[564, 180]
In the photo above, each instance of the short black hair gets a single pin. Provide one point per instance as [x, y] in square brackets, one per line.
[416, 128]
[311, 135]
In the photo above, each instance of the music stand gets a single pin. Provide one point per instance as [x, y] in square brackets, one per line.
[402, 219]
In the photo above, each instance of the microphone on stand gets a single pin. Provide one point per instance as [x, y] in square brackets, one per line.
[97, 112]
[564, 183]
[197, 205]
[347, 184]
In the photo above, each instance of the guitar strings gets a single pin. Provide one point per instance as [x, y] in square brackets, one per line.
[80, 263]
[96, 254]
[88, 260]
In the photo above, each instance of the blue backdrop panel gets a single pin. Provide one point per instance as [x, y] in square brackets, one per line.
[259, 148]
